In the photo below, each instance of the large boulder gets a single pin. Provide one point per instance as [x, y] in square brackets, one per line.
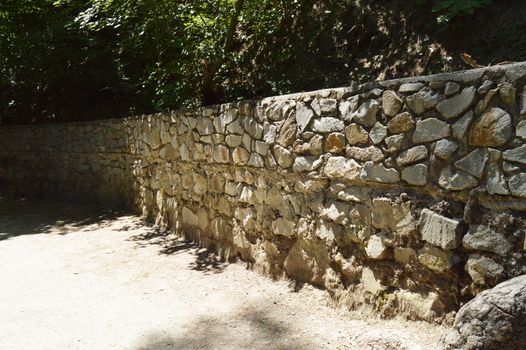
[494, 320]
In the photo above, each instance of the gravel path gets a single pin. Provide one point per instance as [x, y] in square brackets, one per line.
[76, 277]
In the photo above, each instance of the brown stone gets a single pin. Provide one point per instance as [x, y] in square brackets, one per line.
[493, 128]
[356, 135]
[335, 143]
[403, 122]
[287, 135]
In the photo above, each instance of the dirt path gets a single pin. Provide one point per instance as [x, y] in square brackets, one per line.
[79, 278]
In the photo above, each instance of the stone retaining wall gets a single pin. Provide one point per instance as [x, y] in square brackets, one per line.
[404, 196]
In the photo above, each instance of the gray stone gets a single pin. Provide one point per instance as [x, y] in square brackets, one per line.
[366, 113]
[436, 259]
[394, 143]
[269, 133]
[310, 163]
[327, 124]
[510, 168]
[254, 129]
[221, 154]
[261, 147]
[461, 126]
[233, 140]
[415, 174]
[517, 185]
[444, 149]
[283, 157]
[303, 116]
[480, 237]
[348, 107]
[184, 152]
[451, 88]
[422, 101]
[391, 103]
[356, 135]
[495, 319]
[521, 129]
[342, 168]
[474, 162]
[235, 127]
[439, 230]
[337, 212]
[456, 181]
[523, 104]
[412, 155]
[328, 106]
[430, 129]
[350, 193]
[493, 128]
[410, 87]
[456, 105]
[480, 268]
[517, 155]
[205, 126]
[378, 133]
[379, 173]
[495, 181]
[376, 247]
[256, 161]
[484, 88]
[365, 154]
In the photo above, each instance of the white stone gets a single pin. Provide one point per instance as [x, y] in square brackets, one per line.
[439, 230]
[412, 155]
[378, 133]
[303, 116]
[474, 162]
[456, 181]
[410, 87]
[366, 113]
[379, 173]
[430, 129]
[444, 149]
[376, 247]
[309, 163]
[327, 124]
[283, 227]
[342, 168]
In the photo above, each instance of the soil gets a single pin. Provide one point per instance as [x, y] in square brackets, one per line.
[78, 277]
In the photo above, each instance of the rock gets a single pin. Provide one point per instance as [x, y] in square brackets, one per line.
[370, 283]
[233, 189]
[283, 227]
[480, 237]
[474, 162]
[350, 193]
[391, 103]
[254, 129]
[481, 268]
[334, 143]
[233, 140]
[304, 164]
[204, 126]
[521, 129]
[439, 230]
[247, 196]
[337, 212]
[240, 156]
[456, 181]
[495, 181]
[517, 185]
[261, 147]
[451, 88]
[283, 157]
[327, 124]
[270, 132]
[287, 134]
[366, 113]
[379, 173]
[303, 116]
[364, 154]
[235, 127]
[430, 129]
[404, 255]
[315, 145]
[461, 126]
[410, 87]
[328, 231]
[342, 168]
[256, 161]
[403, 122]
[394, 143]
[444, 149]
[507, 93]
[483, 104]
[517, 155]
[523, 103]
[422, 101]
[347, 107]
[494, 320]
[493, 128]
[378, 133]
[189, 218]
[415, 175]
[484, 88]
[412, 155]
[456, 105]
[356, 135]
[436, 259]
[510, 168]
[376, 248]
[328, 106]
[221, 154]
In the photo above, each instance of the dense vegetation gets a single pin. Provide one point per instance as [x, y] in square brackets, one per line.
[88, 59]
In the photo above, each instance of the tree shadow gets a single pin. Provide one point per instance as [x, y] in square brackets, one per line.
[22, 216]
[251, 328]
[205, 261]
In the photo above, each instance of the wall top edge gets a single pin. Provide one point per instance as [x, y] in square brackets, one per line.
[513, 72]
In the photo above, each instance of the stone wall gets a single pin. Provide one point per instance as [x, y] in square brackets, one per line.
[404, 196]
